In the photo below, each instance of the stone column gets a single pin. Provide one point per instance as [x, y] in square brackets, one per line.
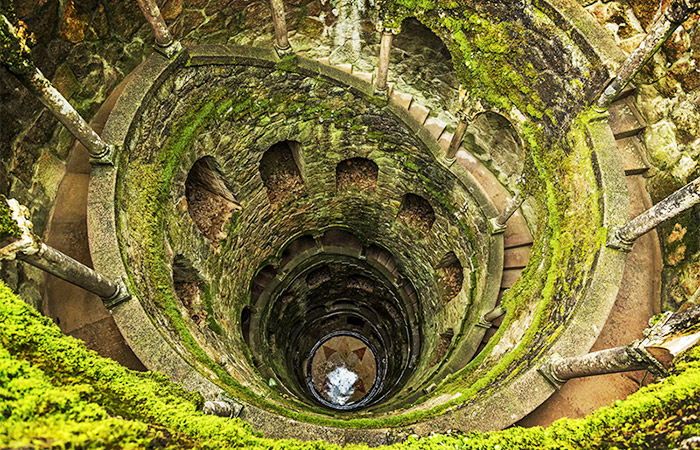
[669, 336]
[612, 360]
[165, 43]
[676, 13]
[684, 198]
[279, 23]
[487, 319]
[100, 152]
[456, 140]
[15, 54]
[30, 249]
[467, 110]
[498, 224]
[384, 55]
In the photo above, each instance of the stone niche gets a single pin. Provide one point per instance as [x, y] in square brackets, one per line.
[336, 218]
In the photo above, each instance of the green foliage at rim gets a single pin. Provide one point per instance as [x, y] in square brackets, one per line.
[15, 40]
[8, 226]
[56, 393]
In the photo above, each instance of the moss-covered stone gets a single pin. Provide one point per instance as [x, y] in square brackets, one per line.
[8, 226]
[56, 393]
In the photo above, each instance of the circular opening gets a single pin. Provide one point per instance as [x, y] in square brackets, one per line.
[342, 371]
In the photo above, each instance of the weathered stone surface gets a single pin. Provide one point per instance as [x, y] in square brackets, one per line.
[74, 23]
[64, 80]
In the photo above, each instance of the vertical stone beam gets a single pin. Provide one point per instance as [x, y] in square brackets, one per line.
[676, 13]
[498, 224]
[384, 55]
[681, 200]
[279, 23]
[100, 152]
[612, 360]
[164, 40]
[30, 249]
[456, 140]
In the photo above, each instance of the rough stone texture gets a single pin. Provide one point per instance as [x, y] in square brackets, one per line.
[316, 114]
[85, 49]
[668, 98]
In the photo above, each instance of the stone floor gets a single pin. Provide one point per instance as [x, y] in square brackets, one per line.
[350, 353]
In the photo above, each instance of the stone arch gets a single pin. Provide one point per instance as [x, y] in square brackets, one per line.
[210, 201]
[494, 138]
[356, 173]
[281, 173]
[417, 212]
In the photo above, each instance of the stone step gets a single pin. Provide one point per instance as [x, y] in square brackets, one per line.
[435, 126]
[419, 112]
[510, 276]
[516, 257]
[402, 99]
[517, 233]
[624, 119]
[631, 151]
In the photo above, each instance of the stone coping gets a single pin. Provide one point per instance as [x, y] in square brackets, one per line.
[501, 408]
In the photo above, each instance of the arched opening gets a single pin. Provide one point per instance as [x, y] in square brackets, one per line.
[356, 173]
[318, 276]
[450, 276]
[297, 246]
[189, 288]
[245, 324]
[260, 281]
[416, 212]
[210, 201]
[443, 346]
[281, 173]
[494, 139]
[383, 257]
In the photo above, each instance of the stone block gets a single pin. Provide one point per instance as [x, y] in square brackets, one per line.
[419, 112]
[364, 76]
[631, 153]
[435, 126]
[402, 99]
[624, 119]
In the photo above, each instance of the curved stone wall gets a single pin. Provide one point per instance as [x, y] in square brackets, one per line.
[230, 284]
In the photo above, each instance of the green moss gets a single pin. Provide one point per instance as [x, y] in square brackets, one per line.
[15, 41]
[56, 393]
[8, 226]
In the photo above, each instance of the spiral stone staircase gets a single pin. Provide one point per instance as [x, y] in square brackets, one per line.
[276, 217]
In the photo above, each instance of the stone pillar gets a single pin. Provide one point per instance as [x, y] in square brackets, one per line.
[676, 13]
[165, 43]
[456, 140]
[467, 110]
[487, 319]
[100, 152]
[612, 360]
[30, 249]
[684, 198]
[279, 23]
[498, 224]
[384, 55]
[671, 335]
